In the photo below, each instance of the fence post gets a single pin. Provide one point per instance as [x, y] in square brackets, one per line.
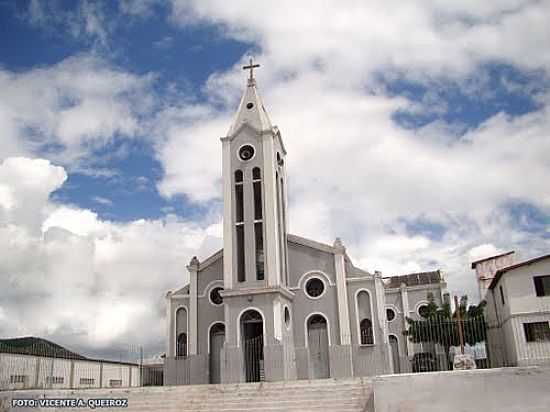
[71, 375]
[101, 375]
[141, 366]
[459, 321]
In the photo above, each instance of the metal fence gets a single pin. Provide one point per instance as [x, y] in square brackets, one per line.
[44, 365]
[432, 344]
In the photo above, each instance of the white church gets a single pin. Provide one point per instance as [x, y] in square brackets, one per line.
[274, 306]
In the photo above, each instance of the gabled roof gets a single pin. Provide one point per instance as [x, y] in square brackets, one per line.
[414, 279]
[30, 345]
[502, 271]
[474, 264]
[37, 346]
[251, 111]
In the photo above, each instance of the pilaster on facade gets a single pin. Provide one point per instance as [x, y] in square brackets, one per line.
[227, 216]
[341, 291]
[193, 269]
[169, 333]
[271, 213]
[406, 313]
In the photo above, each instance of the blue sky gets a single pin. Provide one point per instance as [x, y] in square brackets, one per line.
[417, 134]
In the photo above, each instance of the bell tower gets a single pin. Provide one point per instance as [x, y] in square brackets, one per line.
[257, 301]
[254, 195]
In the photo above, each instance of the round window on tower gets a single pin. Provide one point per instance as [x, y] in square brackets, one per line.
[315, 288]
[249, 106]
[390, 314]
[246, 152]
[215, 296]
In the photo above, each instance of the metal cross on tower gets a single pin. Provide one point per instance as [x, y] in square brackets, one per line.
[251, 66]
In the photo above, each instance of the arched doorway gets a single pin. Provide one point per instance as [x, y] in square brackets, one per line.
[394, 345]
[252, 338]
[217, 339]
[317, 339]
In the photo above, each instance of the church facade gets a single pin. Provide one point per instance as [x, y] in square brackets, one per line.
[274, 306]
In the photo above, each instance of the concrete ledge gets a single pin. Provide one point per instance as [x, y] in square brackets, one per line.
[522, 389]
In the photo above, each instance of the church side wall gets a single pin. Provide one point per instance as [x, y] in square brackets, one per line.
[208, 313]
[368, 360]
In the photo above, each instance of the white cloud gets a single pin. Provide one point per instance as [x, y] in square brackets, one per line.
[81, 280]
[86, 21]
[353, 172]
[70, 109]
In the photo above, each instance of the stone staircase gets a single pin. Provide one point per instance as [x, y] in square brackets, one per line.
[338, 395]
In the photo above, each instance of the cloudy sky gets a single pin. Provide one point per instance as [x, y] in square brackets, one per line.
[417, 131]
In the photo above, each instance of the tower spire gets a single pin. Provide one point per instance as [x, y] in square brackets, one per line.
[251, 108]
[251, 66]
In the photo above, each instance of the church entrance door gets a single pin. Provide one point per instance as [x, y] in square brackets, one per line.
[253, 345]
[217, 339]
[318, 347]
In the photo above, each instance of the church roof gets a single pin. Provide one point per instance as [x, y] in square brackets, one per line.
[414, 279]
[251, 110]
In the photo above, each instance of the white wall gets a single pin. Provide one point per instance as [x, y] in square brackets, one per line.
[37, 370]
[487, 390]
[521, 305]
[520, 288]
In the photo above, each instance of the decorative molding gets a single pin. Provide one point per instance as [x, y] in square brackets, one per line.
[418, 304]
[310, 243]
[301, 280]
[210, 260]
[209, 286]
[246, 292]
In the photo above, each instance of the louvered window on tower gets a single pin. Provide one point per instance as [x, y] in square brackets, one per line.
[239, 224]
[259, 235]
[258, 224]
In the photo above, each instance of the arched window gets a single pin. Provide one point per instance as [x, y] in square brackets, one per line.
[367, 335]
[181, 332]
[181, 344]
[364, 317]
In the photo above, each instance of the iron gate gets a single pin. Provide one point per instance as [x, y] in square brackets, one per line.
[254, 359]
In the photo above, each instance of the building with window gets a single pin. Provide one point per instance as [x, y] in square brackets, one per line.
[486, 269]
[33, 363]
[275, 306]
[518, 314]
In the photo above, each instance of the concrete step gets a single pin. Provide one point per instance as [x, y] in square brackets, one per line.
[338, 395]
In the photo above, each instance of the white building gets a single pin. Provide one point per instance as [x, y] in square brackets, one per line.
[486, 269]
[30, 362]
[518, 314]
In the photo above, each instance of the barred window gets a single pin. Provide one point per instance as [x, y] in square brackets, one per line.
[115, 383]
[537, 331]
[54, 379]
[367, 336]
[18, 378]
[542, 285]
[87, 381]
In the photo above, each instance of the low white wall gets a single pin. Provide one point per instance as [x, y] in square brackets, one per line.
[57, 373]
[482, 390]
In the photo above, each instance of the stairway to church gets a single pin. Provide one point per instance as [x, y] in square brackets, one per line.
[339, 395]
